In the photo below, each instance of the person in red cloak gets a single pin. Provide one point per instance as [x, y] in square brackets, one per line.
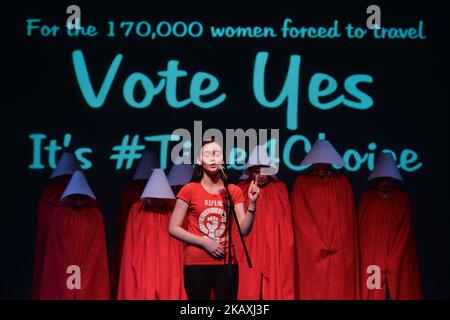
[271, 242]
[325, 229]
[389, 265]
[132, 194]
[152, 261]
[50, 196]
[76, 264]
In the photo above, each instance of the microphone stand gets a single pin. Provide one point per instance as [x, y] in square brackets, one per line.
[231, 214]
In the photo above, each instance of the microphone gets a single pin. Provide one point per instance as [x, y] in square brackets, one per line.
[222, 174]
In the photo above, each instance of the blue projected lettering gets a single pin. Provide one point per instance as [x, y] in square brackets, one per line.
[202, 84]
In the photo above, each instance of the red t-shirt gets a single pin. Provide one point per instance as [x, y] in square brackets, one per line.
[207, 217]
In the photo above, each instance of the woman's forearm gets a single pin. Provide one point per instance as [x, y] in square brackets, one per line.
[183, 235]
[246, 223]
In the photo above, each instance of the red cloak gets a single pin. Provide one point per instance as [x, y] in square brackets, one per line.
[152, 261]
[76, 238]
[47, 204]
[387, 241]
[325, 231]
[132, 193]
[270, 245]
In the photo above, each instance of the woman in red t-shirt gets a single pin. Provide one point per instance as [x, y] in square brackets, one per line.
[206, 236]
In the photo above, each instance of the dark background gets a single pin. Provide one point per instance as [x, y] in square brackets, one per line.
[40, 94]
